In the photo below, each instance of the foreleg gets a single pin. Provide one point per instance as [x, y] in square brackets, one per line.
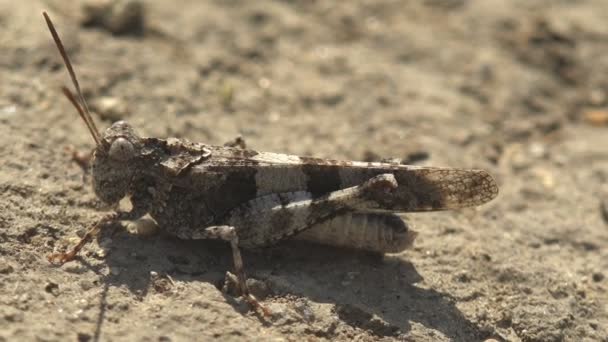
[140, 208]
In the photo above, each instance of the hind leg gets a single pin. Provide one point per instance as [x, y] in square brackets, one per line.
[268, 219]
[271, 218]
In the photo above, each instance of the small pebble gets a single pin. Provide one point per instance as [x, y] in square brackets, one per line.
[8, 111]
[517, 157]
[123, 306]
[52, 288]
[596, 117]
[537, 150]
[13, 315]
[86, 285]
[143, 227]
[5, 267]
[597, 97]
[463, 277]
[84, 337]
[597, 277]
[119, 17]
[545, 176]
[110, 108]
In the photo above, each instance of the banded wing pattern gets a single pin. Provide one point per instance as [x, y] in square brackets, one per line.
[250, 174]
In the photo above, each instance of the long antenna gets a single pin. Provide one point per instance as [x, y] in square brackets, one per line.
[72, 99]
[84, 112]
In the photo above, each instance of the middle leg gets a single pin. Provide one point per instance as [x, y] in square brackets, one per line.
[228, 233]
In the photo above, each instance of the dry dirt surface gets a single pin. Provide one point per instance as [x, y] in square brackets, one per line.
[518, 88]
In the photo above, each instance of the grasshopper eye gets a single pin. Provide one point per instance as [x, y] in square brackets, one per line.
[121, 150]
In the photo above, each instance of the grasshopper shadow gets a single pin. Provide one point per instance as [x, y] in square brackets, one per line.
[363, 287]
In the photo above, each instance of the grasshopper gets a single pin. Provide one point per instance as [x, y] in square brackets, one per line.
[255, 199]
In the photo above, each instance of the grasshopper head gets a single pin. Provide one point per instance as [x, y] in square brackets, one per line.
[115, 162]
[115, 158]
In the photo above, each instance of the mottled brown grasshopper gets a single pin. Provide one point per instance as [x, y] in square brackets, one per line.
[255, 199]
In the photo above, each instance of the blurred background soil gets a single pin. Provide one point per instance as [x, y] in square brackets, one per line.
[515, 87]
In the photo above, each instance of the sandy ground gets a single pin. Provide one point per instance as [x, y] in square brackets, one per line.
[515, 87]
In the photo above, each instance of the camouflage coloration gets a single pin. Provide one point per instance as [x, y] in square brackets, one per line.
[255, 199]
[188, 186]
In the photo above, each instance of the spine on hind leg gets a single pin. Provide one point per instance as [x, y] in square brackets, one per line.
[384, 233]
